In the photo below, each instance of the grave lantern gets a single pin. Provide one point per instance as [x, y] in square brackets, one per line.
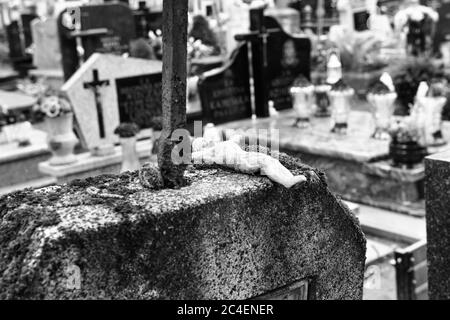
[302, 92]
[382, 101]
[341, 95]
[322, 91]
[334, 68]
[428, 113]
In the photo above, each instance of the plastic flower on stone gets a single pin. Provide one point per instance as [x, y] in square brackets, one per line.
[405, 130]
[54, 106]
[51, 107]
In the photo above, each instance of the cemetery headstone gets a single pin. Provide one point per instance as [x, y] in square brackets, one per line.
[146, 21]
[437, 171]
[225, 92]
[15, 41]
[104, 28]
[354, 14]
[103, 96]
[288, 57]
[360, 14]
[277, 59]
[288, 18]
[226, 236]
[117, 18]
[47, 53]
[27, 20]
[443, 26]
[68, 45]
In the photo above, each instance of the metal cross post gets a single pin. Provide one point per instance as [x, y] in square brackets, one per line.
[258, 39]
[175, 25]
[95, 87]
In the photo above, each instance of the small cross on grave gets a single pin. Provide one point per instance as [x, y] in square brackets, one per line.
[258, 39]
[95, 86]
[175, 17]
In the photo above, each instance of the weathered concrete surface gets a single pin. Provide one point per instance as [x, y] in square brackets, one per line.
[437, 191]
[226, 236]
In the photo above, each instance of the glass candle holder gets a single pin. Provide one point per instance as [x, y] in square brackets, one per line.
[303, 102]
[429, 115]
[130, 157]
[322, 92]
[340, 109]
[382, 112]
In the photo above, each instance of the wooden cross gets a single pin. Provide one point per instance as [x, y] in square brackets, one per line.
[175, 25]
[95, 87]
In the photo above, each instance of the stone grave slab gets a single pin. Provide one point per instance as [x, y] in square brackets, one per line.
[289, 56]
[225, 92]
[357, 166]
[89, 166]
[438, 222]
[203, 241]
[19, 165]
[108, 90]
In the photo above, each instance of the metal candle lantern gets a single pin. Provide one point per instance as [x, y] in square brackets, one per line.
[322, 92]
[340, 97]
[302, 92]
[429, 114]
[382, 99]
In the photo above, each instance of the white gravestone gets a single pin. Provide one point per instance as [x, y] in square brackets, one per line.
[94, 94]
[47, 53]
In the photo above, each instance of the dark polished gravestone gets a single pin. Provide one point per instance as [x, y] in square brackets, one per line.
[146, 21]
[225, 236]
[104, 28]
[140, 100]
[443, 25]
[437, 170]
[19, 39]
[225, 92]
[288, 57]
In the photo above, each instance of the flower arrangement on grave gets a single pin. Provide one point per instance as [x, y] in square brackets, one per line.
[359, 51]
[127, 133]
[407, 77]
[302, 92]
[341, 95]
[155, 41]
[142, 49]
[381, 99]
[202, 32]
[405, 149]
[196, 50]
[33, 87]
[56, 113]
[419, 22]
[51, 105]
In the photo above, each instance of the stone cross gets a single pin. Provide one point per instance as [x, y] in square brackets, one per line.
[95, 87]
[175, 17]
